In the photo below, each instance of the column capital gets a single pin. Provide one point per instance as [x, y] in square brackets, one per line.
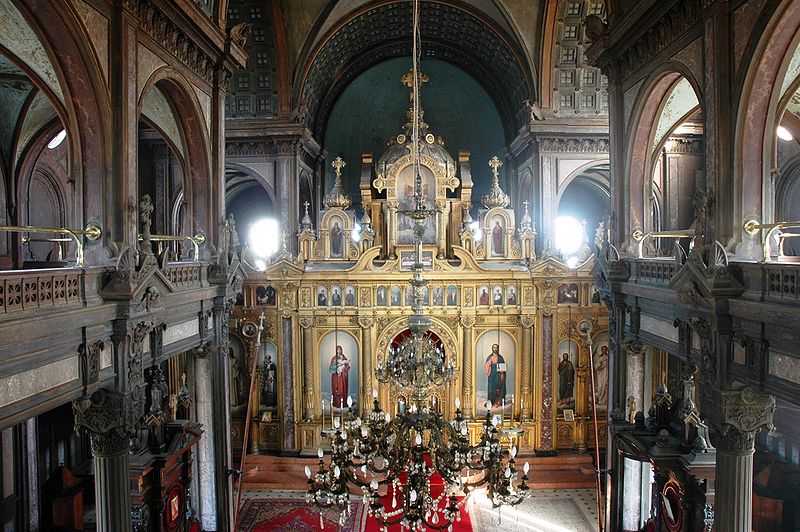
[365, 322]
[103, 415]
[306, 321]
[741, 414]
[467, 320]
[527, 320]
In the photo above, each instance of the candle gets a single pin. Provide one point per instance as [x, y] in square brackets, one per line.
[512, 409]
[331, 410]
[521, 407]
[323, 415]
[502, 410]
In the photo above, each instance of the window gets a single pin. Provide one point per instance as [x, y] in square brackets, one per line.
[588, 77]
[263, 104]
[588, 101]
[568, 55]
[570, 31]
[255, 12]
[262, 58]
[567, 77]
[574, 8]
[263, 81]
[596, 8]
[242, 105]
[567, 100]
[259, 35]
[242, 82]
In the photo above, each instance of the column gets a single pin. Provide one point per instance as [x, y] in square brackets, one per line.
[632, 470]
[467, 322]
[546, 420]
[103, 415]
[32, 448]
[307, 322]
[741, 415]
[287, 373]
[285, 170]
[366, 361]
[204, 405]
[525, 371]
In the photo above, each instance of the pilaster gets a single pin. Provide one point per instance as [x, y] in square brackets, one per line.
[307, 324]
[467, 322]
[366, 322]
[527, 322]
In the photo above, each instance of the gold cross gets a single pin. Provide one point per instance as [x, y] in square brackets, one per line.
[338, 164]
[408, 78]
[306, 204]
[494, 164]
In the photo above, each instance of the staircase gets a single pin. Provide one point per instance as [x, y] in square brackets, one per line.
[565, 471]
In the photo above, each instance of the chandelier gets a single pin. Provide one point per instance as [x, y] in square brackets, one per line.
[398, 456]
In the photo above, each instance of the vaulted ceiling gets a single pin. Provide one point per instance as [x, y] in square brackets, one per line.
[459, 34]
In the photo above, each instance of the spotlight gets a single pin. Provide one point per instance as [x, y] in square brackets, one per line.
[784, 134]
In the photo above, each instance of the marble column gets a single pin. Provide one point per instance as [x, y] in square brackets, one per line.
[546, 437]
[525, 371]
[307, 322]
[366, 361]
[103, 415]
[632, 470]
[742, 413]
[285, 170]
[32, 448]
[204, 405]
[467, 322]
[287, 373]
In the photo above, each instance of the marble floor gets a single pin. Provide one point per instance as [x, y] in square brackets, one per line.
[560, 510]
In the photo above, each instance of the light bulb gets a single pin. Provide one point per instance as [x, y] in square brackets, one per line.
[349, 400]
[336, 423]
[344, 435]
[373, 485]
[337, 471]
[418, 439]
[412, 496]
[458, 403]
[319, 452]
[388, 417]
[508, 472]
[308, 472]
[514, 452]
[374, 393]
[488, 405]
[464, 430]
[526, 467]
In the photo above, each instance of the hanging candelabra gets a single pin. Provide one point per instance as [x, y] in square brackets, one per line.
[399, 456]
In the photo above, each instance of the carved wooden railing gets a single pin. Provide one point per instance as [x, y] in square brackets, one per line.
[185, 275]
[35, 289]
[656, 271]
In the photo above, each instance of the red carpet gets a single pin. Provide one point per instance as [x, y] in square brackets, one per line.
[294, 515]
[437, 486]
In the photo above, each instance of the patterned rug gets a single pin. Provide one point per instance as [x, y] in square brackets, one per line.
[296, 515]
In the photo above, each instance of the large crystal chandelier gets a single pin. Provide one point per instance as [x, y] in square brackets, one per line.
[377, 454]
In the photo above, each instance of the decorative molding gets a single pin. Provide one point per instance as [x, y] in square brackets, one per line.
[164, 30]
[90, 356]
[573, 144]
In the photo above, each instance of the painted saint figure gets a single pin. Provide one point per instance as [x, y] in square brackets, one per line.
[483, 299]
[601, 376]
[498, 296]
[350, 297]
[336, 297]
[339, 369]
[566, 381]
[497, 239]
[382, 295]
[336, 240]
[495, 367]
[269, 390]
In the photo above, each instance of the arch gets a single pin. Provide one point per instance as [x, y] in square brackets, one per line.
[755, 136]
[249, 174]
[650, 101]
[598, 164]
[442, 330]
[87, 108]
[187, 111]
[334, 60]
